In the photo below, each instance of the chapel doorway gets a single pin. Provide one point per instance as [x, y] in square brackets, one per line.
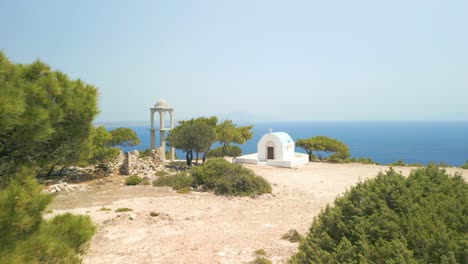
[270, 153]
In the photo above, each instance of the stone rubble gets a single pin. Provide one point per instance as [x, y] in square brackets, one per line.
[129, 163]
[64, 186]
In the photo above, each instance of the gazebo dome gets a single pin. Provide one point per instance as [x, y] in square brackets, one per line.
[161, 104]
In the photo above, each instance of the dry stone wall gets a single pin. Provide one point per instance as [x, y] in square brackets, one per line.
[133, 164]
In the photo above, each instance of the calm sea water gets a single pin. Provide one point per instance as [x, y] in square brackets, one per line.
[384, 142]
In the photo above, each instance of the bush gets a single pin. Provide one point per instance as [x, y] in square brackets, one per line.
[133, 180]
[145, 153]
[225, 178]
[260, 252]
[393, 219]
[26, 238]
[122, 210]
[465, 166]
[231, 151]
[261, 260]
[397, 163]
[292, 236]
[161, 173]
[177, 182]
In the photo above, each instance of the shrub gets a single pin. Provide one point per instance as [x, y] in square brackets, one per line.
[184, 190]
[161, 173]
[26, 238]
[122, 210]
[393, 219]
[145, 153]
[133, 180]
[465, 166]
[261, 260]
[260, 252]
[105, 209]
[225, 178]
[177, 182]
[292, 236]
[397, 163]
[231, 151]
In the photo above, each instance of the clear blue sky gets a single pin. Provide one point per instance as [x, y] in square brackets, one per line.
[285, 60]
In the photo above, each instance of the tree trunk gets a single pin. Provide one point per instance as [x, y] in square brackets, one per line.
[50, 171]
[204, 155]
[225, 146]
[61, 170]
[189, 157]
[196, 158]
[310, 154]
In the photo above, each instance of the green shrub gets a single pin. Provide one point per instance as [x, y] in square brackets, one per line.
[292, 236]
[184, 190]
[393, 219]
[161, 173]
[225, 178]
[122, 210]
[145, 153]
[231, 151]
[26, 238]
[443, 165]
[133, 180]
[261, 260]
[397, 163]
[465, 166]
[177, 182]
[105, 209]
[260, 252]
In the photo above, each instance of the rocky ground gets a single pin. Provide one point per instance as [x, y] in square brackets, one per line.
[167, 227]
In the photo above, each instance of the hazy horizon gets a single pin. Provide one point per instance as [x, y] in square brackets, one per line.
[268, 60]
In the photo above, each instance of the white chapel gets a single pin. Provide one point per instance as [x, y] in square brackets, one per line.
[275, 149]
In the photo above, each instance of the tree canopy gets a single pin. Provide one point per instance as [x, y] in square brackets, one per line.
[45, 121]
[199, 134]
[392, 219]
[103, 143]
[191, 136]
[318, 144]
[228, 132]
[45, 118]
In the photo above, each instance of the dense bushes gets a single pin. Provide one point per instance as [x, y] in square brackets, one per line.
[220, 176]
[229, 151]
[26, 238]
[225, 178]
[177, 182]
[133, 180]
[465, 166]
[393, 219]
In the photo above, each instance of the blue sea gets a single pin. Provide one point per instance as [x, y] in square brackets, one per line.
[382, 141]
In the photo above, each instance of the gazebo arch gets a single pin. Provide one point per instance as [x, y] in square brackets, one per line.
[161, 107]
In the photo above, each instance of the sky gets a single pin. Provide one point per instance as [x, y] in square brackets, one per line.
[265, 60]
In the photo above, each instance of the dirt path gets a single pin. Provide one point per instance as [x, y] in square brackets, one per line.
[204, 228]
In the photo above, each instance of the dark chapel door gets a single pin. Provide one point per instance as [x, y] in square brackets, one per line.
[270, 153]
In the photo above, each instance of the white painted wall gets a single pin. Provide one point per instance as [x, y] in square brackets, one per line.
[282, 151]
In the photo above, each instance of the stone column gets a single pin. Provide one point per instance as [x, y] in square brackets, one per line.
[152, 131]
[172, 126]
[162, 136]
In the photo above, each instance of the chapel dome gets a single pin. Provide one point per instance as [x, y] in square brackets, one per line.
[161, 104]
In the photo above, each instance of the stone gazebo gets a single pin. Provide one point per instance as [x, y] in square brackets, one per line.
[161, 107]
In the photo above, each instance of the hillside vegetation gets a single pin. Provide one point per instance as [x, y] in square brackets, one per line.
[392, 219]
[219, 176]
